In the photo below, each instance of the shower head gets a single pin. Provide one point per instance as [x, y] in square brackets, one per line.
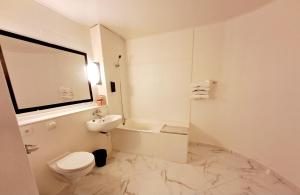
[118, 64]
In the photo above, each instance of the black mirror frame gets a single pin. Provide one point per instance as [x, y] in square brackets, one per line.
[12, 95]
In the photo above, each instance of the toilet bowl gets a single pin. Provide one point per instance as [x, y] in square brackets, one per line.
[72, 166]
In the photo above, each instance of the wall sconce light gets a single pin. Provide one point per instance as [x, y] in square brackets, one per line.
[94, 74]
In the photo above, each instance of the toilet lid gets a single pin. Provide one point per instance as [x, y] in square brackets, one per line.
[75, 160]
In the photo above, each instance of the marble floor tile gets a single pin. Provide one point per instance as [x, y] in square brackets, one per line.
[209, 171]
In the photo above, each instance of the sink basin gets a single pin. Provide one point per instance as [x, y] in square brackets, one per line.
[104, 124]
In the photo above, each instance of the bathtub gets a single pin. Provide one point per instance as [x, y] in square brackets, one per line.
[155, 139]
[147, 127]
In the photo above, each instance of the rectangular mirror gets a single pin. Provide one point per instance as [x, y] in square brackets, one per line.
[41, 75]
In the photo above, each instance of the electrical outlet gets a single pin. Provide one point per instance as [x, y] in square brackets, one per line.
[26, 131]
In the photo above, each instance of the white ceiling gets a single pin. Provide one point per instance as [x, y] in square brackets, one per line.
[136, 18]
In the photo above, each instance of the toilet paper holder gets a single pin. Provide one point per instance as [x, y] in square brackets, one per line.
[29, 148]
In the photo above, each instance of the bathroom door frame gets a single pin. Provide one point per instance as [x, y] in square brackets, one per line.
[16, 177]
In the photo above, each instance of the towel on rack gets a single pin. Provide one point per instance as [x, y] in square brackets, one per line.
[201, 93]
[206, 83]
[194, 89]
[199, 96]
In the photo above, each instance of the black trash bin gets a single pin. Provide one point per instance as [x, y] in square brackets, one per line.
[100, 157]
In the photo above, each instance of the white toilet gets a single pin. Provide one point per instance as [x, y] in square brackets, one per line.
[72, 166]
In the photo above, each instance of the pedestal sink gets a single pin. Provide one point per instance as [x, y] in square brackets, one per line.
[104, 124]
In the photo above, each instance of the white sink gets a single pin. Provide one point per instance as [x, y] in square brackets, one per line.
[104, 124]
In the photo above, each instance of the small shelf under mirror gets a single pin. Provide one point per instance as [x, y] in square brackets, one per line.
[42, 115]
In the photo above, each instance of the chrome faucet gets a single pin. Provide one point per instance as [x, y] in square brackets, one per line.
[98, 113]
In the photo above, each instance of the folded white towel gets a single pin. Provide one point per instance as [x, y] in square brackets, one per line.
[200, 89]
[199, 96]
[206, 83]
[200, 93]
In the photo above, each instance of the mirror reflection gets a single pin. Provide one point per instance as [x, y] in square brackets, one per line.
[43, 76]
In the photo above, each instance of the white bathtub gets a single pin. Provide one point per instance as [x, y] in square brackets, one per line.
[152, 138]
[147, 127]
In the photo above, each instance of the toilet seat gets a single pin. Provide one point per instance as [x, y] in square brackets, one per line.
[75, 161]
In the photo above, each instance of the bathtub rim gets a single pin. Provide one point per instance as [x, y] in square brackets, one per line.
[159, 126]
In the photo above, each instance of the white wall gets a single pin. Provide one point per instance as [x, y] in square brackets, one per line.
[16, 176]
[207, 64]
[29, 18]
[96, 42]
[159, 73]
[255, 58]
[112, 45]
